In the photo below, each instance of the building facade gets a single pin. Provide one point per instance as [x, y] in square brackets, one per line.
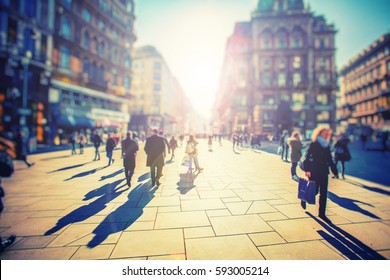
[26, 44]
[86, 77]
[158, 99]
[365, 90]
[279, 72]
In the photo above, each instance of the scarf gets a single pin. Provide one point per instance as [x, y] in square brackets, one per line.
[322, 141]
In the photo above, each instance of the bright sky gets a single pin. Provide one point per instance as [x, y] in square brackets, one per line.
[191, 35]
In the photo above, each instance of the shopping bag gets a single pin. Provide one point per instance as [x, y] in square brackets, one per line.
[307, 190]
[186, 160]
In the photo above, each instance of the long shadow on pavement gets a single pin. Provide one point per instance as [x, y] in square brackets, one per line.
[111, 175]
[144, 177]
[86, 211]
[68, 167]
[186, 182]
[374, 189]
[125, 215]
[107, 188]
[85, 173]
[351, 204]
[345, 243]
[51, 158]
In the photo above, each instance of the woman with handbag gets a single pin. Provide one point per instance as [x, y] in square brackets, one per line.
[318, 159]
[342, 153]
[192, 152]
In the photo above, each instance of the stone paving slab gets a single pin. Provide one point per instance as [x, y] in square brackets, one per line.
[242, 206]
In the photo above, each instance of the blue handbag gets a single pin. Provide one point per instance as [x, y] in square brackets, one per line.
[307, 190]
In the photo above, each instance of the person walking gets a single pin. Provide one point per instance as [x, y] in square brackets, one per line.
[173, 146]
[155, 151]
[192, 152]
[295, 153]
[210, 143]
[284, 145]
[22, 148]
[318, 159]
[110, 146]
[97, 141]
[82, 141]
[342, 153]
[129, 152]
[72, 141]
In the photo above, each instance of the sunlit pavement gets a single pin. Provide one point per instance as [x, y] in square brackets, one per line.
[243, 205]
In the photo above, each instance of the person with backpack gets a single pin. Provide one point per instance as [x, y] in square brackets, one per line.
[341, 152]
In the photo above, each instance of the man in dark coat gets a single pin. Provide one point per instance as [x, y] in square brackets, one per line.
[155, 150]
[97, 141]
[129, 152]
[110, 146]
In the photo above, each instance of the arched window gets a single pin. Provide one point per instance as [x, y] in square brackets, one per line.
[281, 39]
[66, 30]
[297, 38]
[266, 39]
[65, 57]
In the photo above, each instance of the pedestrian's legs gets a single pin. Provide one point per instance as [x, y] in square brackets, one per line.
[342, 169]
[159, 173]
[286, 148]
[190, 165]
[73, 149]
[294, 169]
[153, 174]
[196, 162]
[282, 153]
[322, 185]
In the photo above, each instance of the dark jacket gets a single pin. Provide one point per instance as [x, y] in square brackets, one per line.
[129, 148]
[341, 152]
[318, 160]
[155, 149]
[110, 145]
[296, 149]
[96, 140]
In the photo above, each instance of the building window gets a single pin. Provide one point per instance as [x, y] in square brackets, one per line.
[298, 98]
[157, 87]
[101, 49]
[127, 61]
[126, 82]
[269, 100]
[65, 57]
[282, 63]
[388, 65]
[66, 30]
[87, 40]
[114, 79]
[323, 116]
[322, 79]
[67, 4]
[322, 99]
[86, 67]
[28, 41]
[297, 62]
[101, 73]
[43, 47]
[282, 79]
[281, 39]
[102, 25]
[265, 40]
[157, 65]
[296, 79]
[11, 32]
[266, 79]
[156, 76]
[86, 15]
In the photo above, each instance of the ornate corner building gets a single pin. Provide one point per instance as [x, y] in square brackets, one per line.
[279, 72]
[365, 89]
[70, 60]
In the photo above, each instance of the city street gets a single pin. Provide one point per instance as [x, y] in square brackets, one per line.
[243, 206]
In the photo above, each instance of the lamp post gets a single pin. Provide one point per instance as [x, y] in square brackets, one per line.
[23, 112]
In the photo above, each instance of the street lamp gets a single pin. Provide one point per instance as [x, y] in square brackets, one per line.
[23, 112]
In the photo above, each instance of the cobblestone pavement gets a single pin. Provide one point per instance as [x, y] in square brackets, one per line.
[243, 206]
